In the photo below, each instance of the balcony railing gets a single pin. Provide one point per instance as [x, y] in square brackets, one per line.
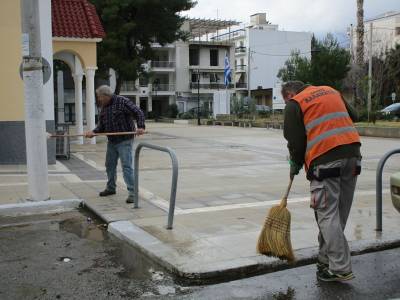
[163, 87]
[241, 85]
[241, 68]
[163, 64]
[209, 86]
[241, 49]
[128, 86]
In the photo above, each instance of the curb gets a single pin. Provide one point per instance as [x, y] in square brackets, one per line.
[39, 207]
[223, 271]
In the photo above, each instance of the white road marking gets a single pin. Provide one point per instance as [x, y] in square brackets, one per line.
[259, 204]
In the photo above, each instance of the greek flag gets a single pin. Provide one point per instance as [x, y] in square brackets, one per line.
[227, 71]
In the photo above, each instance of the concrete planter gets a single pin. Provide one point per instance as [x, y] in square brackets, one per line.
[387, 132]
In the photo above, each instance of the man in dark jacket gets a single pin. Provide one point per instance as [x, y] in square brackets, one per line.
[320, 133]
[117, 115]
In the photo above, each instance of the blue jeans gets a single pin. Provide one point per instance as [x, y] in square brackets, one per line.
[122, 150]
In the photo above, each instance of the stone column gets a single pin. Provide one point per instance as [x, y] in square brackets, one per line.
[60, 97]
[150, 98]
[78, 106]
[137, 85]
[90, 100]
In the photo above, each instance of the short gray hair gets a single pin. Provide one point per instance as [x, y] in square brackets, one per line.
[104, 90]
[291, 87]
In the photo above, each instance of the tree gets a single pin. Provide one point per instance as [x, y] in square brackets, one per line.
[328, 65]
[131, 27]
[360, 34]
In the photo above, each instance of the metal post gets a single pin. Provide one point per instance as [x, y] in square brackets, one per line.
[379, 171]
[370, 70]
[35, 122]
[198, 98]
[248, 74]
[174, 178]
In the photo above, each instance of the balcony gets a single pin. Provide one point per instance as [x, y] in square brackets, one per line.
[240, 50]
[163, 64]
[241, 85]
[209, 86]
[128, 86]
[163, 87]
[241, 68]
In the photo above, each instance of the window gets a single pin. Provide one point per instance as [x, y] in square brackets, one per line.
[195, 77]
[214, 77]
[193, 57]
[214, 57]
[397, 30]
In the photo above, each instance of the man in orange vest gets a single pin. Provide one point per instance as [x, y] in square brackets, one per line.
[320, 133]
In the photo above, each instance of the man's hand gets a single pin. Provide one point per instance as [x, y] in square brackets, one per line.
[139, 131]
[294, 169]
[89, 134]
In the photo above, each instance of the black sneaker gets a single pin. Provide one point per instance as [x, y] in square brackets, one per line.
[130, 199]
[106, 193]
[321, 266]
[328, 276]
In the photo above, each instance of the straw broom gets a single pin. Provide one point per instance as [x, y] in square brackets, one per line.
[274, 239]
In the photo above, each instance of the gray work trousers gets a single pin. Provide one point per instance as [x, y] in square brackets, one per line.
[331, 199]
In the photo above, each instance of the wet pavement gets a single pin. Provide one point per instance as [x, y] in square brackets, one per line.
[71, 256]
[377, 278]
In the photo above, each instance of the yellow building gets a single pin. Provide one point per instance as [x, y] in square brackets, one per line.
[70, 31]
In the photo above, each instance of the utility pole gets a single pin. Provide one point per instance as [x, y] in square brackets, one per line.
[248, 74]
[35, 124]
[370, 70]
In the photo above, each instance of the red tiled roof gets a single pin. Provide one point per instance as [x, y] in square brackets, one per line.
[75, 19]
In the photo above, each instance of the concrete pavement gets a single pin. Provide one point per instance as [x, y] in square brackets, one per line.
[228, 179]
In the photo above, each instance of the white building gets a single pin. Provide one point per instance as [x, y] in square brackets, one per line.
[261, 50]
[186, 73]
[385, 34]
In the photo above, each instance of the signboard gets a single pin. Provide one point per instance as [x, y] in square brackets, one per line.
[46, 70]
[25, 44]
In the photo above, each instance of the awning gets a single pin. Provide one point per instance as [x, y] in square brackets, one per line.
[238, 76]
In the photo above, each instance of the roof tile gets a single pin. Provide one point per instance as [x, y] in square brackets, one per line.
[75, 19]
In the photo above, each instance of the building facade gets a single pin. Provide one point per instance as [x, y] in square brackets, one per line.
[186, 73]
[261, 50]
[69, 31]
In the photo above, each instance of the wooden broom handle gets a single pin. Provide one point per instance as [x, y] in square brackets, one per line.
[284, 199]
[97, 134]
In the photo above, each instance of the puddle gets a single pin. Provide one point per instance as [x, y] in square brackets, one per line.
[146, 275]
[88, 228]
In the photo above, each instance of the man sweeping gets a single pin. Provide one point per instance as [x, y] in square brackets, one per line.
[117, 115]
[320, 133]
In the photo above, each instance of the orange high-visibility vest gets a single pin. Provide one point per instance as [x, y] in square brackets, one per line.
[326, 121]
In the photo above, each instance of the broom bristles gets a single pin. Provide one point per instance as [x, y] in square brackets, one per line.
[274, 239]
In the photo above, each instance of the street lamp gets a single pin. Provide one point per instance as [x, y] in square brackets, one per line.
[198, 97]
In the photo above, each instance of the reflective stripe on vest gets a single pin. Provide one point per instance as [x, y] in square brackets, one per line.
[327, 117]
[327, 134]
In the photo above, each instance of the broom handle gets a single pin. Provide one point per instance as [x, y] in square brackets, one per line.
[284, 199]
[97, 134]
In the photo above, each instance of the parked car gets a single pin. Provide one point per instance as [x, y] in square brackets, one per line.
[265, 108]
[395, 190]
[391, 111]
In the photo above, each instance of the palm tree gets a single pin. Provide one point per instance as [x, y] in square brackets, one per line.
[360, 34]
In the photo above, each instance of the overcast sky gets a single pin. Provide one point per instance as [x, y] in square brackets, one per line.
[319, 16]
